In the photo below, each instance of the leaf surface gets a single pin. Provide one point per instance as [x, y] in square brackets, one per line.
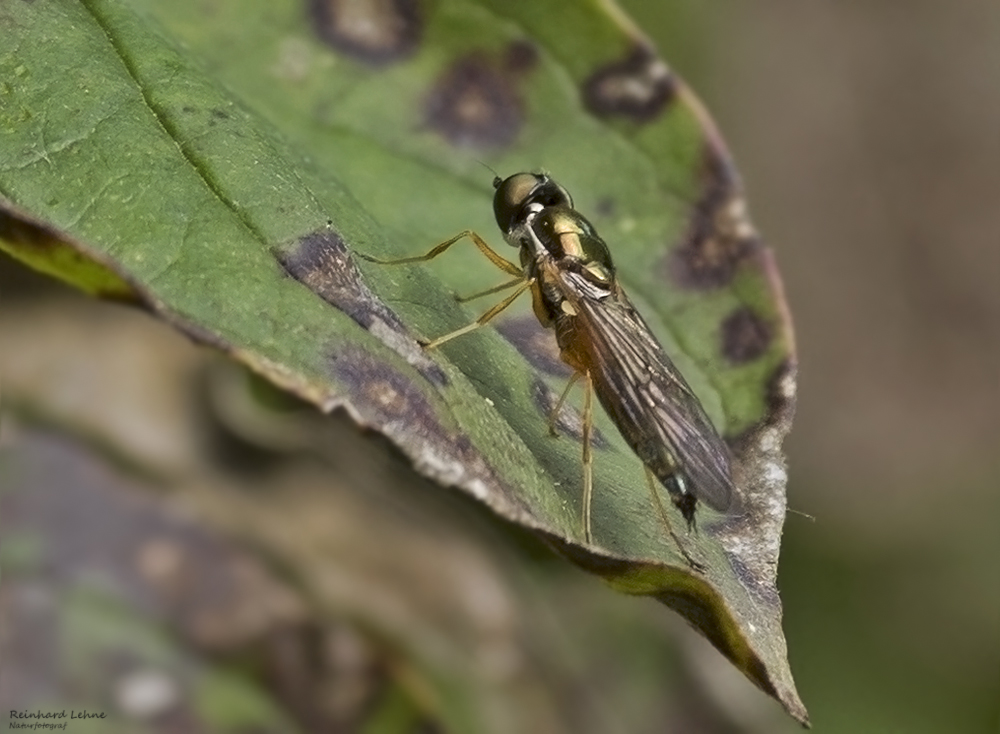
[219, 165]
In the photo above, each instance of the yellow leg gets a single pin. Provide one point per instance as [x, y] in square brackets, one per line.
[490, 291]
[482, 319]
[651, 483]
[494, 257]
[588, 459]
[554, 414]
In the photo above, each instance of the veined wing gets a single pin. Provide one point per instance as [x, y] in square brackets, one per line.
[647, 397]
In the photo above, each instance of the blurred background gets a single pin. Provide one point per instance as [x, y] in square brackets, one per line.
[867, 136]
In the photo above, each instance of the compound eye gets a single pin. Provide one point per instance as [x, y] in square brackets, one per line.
[511, 195]
[566, 199]
[549, 193]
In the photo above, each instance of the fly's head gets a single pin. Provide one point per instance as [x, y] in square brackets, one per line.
[536, 214]
[519, 199]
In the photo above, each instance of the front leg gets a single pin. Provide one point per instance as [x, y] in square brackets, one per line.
[494, 257]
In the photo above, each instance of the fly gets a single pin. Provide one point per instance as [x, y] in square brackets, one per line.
[568, 269]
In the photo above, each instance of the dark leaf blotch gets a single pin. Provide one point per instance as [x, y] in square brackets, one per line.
[520, 57]
[636, 88]
[381, 392]
[376, 33]
[475, 104]
[321, 262]
[745, 336]
[719, 236]
[535, 343]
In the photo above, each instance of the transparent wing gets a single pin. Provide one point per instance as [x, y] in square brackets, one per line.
[648, 398]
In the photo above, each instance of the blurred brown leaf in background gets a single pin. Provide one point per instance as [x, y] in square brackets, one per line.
[868, 135]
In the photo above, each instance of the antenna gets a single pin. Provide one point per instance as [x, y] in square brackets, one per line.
[496, 176]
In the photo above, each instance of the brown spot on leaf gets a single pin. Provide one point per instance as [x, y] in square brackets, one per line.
[520, 57]
[536, 343]
[321, 262]
[720, 236]
[381, 392]
[475, 102]
[636, 88]
[745, 336]
[374, 32]
[383, 398]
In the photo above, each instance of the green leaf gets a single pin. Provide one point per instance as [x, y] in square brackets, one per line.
[220, 165]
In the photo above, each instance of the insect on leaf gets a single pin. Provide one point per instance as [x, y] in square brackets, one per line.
[228, 188]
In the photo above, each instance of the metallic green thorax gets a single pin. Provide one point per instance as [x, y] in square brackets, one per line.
[571, 243]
